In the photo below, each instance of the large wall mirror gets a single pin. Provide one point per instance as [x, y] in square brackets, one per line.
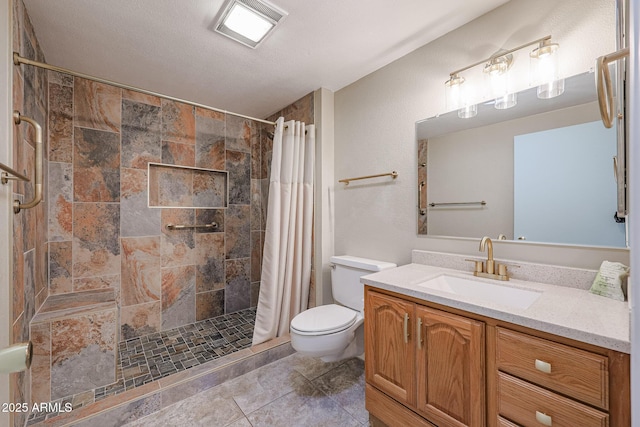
[541, 171]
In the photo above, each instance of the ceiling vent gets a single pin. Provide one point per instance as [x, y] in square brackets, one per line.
[249, 21]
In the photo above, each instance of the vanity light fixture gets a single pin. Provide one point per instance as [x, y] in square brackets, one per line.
[544, 72]
[497, 72]
[468, 111]
[249, 21]
[452, 88]
[458, 97]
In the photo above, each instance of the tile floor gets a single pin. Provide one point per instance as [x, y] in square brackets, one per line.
[151, 357]
[293, 391]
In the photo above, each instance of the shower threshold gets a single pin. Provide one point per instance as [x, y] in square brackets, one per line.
[149, 358]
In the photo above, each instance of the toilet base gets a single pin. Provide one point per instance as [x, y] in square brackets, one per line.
[331, 352]
[354, 349]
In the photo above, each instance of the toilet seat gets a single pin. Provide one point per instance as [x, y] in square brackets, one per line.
[323, 320]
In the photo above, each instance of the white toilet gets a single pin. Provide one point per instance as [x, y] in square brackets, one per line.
[335, 331]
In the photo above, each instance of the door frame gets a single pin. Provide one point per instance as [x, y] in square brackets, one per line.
[6, 212]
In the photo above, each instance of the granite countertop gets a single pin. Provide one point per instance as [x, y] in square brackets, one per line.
[564, 311]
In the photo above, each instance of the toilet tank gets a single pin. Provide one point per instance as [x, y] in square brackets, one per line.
[345, 278]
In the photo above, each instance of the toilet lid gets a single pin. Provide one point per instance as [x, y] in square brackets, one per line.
[325, 318]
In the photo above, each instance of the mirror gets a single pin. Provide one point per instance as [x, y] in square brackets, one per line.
[541, 171]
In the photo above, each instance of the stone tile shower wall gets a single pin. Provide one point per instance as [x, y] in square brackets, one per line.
[104, 235]
[29, 281]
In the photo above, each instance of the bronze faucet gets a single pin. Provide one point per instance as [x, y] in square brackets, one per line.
[488, 267]
[489, 264]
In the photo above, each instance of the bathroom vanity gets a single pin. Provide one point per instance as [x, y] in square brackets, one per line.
[451, 356]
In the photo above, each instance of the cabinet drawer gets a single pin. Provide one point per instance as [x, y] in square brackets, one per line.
[529, 405]
[576, 373]
[506, 423]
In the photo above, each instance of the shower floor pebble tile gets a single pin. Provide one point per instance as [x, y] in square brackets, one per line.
[291, 392]
[152, 357]
[161, 354]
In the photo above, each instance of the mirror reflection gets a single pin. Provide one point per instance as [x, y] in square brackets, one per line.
[541, 171]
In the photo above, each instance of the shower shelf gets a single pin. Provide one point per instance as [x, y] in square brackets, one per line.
[171, 186]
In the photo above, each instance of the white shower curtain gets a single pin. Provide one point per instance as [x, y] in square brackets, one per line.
[286, 261]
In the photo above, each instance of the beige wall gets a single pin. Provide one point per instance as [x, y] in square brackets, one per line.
[324, 179]
[375, 127]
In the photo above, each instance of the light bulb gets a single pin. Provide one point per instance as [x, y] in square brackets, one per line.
[544, 70]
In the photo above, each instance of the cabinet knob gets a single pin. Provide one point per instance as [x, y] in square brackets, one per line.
[543, 366]
[543, 419]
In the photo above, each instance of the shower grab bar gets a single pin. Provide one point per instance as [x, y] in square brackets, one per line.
[393, 174]
[37, 198]
[422, 210]
[457, 203]
[5, 177]
[184, 227]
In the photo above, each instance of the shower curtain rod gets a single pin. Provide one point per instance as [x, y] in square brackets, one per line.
[17, 60]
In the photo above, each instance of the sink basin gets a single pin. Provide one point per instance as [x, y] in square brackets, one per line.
[501, 294]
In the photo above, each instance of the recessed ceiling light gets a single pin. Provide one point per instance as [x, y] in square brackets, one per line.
[248, 21]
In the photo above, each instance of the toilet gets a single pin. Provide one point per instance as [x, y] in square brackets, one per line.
[336, 331]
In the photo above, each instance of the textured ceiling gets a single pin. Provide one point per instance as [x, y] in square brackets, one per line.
[169, 46]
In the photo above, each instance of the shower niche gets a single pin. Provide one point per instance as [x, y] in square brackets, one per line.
[172, 186]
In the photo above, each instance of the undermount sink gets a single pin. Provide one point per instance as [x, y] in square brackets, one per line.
[500, 294]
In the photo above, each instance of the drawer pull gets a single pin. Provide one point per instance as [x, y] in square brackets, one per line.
[543, 366]
[406, 328]
[419, 332]
[543, 419]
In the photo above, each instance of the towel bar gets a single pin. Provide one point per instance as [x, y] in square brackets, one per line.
[393, 174]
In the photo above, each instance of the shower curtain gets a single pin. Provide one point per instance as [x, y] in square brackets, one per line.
[286, 260]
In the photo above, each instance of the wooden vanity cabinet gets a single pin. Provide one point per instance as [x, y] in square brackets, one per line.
[429, 365]
[389, 347]
[545, 382]
[429, 360]
[450, 367]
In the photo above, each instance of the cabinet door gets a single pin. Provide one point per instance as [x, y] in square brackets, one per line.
[450, 361]
[390, 347]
